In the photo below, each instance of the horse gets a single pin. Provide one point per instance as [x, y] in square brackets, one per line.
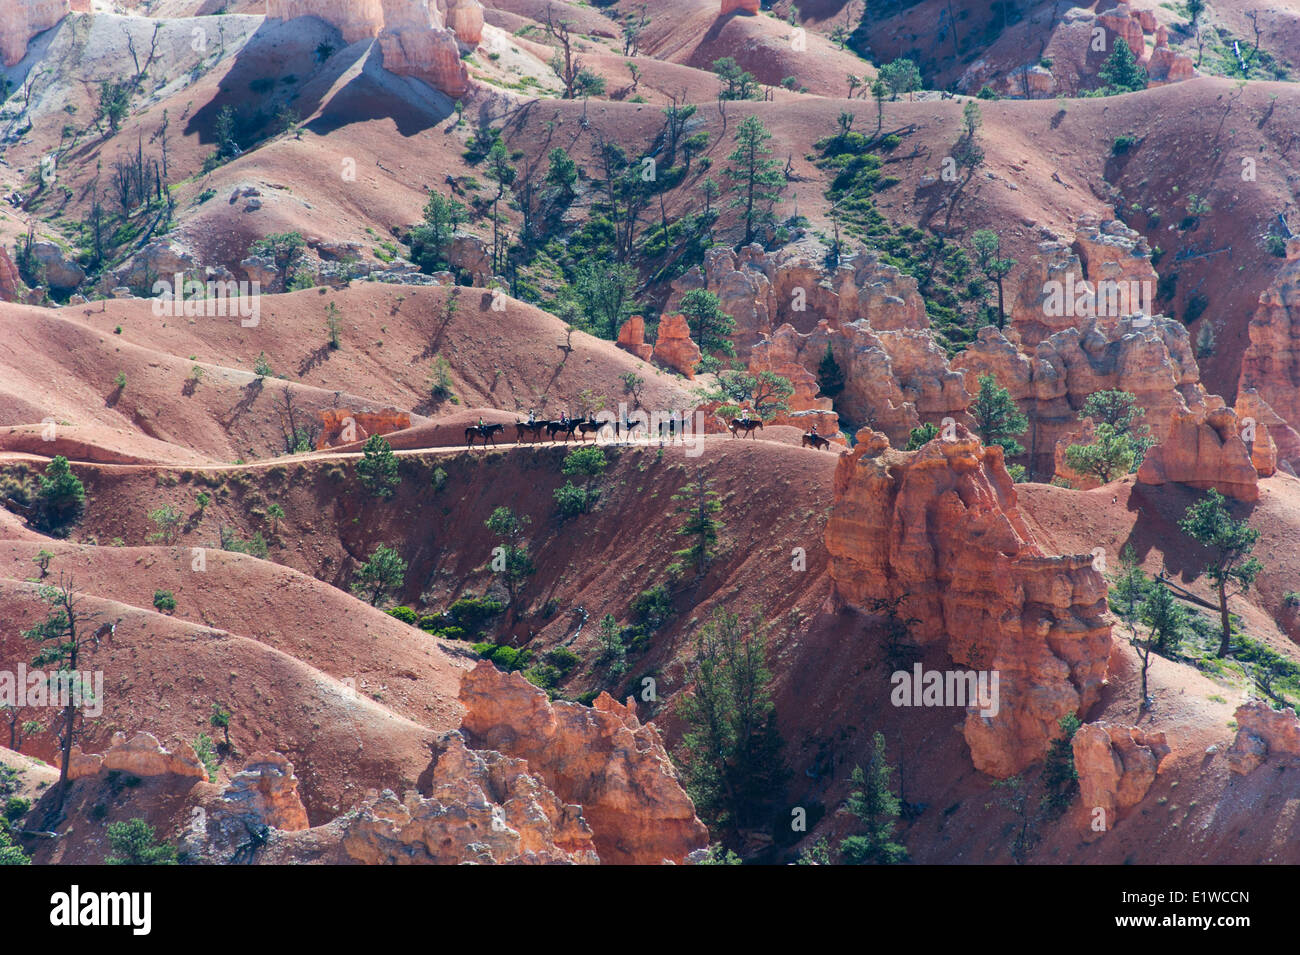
[812, 439]
[745, 424]
[529, 427]
[588, 426]
[568, 427]
[628, 427]
[487, 432]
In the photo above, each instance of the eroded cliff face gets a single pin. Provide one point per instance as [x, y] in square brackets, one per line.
[1151, 357]
[1271, 364]
[939, 528]
[600, 757]
[1116, 766]
[1263, 733]
[20, 20]
[418, 38]
[1209, 450]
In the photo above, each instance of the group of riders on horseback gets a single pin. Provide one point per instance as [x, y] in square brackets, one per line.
[743, 426]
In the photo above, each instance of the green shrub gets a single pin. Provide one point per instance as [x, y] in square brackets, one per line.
[404, 614]
[15, 808]
[653, 606]
[164, 601]
[135, 843]
[571, 500]
[60, 498]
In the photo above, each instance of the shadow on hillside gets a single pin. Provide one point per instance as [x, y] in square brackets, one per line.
[1159, 510]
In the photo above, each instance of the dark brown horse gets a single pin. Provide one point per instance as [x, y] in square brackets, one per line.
[811, 439]
[529, 427]
[589, 426]
[746, 425]
[568, 427]
[626, 427]
[487, 432]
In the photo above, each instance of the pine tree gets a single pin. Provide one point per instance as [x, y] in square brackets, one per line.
[756, 179]
[381, 575]
[997, 417]
[731, 750]
[990, 261]
[1122, 73]
[1230, 543]
[1109, 455]
[1120, 410]
[377, 469]
[699, 503]
[60, 498]
[1165, 618]
[877, 809]
[709, 324]
[830, 379]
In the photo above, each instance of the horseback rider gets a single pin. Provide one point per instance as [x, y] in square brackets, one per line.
[532, 416]
[480, 421]
[564, 417]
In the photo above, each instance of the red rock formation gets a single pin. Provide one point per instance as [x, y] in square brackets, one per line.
[600, 757]
[1281, 436]
[356, 19]
[141, 755]
[20, 20]
[465, 19]
[1116, 766]
[1167, 65]
[631, 338]
[267, 790]
[1270, 366]
[674, 346]
[341, 426]
[1261, 732]
[1151, 358]
[744, 6]
[411, 33]
[1203, 450]
[939, 528]
[1121, 23]
[10, 281]
[893, 379]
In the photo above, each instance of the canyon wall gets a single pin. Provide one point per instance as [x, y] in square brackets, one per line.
[939, 528]
[600, 757]
[20, 20]
[1270, 366]
[417, 38]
